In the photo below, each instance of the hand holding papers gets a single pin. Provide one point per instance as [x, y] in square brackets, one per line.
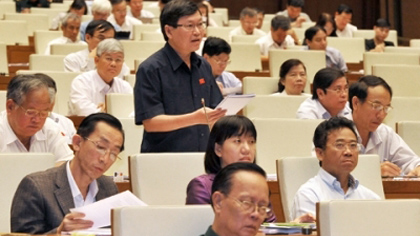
[234, 103]
[100, 211]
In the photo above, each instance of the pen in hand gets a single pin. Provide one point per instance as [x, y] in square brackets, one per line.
[205, 112]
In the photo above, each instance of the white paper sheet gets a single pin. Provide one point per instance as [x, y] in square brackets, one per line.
[100, 211]
[234, 103]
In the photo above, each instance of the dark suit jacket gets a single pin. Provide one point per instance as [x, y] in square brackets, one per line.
[44, 198]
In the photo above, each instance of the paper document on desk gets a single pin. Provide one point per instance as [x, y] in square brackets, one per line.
[234, 103]
[100, 211]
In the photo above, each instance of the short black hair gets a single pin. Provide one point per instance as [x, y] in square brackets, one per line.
[115, 2]
[88, 125]
[214, 46]
[79, 4]
[99, 25]
[296, 3]
[285, 68]
[360, 88]
[223, 180]
[173, 11]
[280, 22]
[224, 128]
[324, 78]
[324, 18]
[326, 127]
[384, 23]
[312, 31]
[344, 8]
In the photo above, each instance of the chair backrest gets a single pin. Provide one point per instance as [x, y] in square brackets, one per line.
[64, 5]
[19, 29]
[65, 49]
[414, 42]
[369, 34]
[43, 37]
[403, 79]
[115, 107]
[404, 110]
[33, 21]
[46, 62]
[87, 18]
[306, 25]
[234, 23]
[300, 34]
[217, 18]
[274, 137]
[139, 49]
[138, 29]
[245, 38]
[7, 7]
[372, 58]
[292, 172]
[4, 65]
[3, 100]
[245, 57]
[402, 50]
[266, 106]
[221, 32]
[131, 79]
[260, 85]
[51, 13]
[133, 137]
[152, 36]
[368, 217]
[171, 171]
[224, 12]
[314, 61]
[153, 9]
[266, 25]
[63, 81]
[189, 220]
[13, 167]
[410, 133]
[352, 49]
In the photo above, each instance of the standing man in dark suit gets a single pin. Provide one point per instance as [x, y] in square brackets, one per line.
[42, 201]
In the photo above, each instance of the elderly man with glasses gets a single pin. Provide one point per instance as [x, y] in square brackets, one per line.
[329, 96]
[249, 20]
[43, 200]
[25, 126]
[370, 101]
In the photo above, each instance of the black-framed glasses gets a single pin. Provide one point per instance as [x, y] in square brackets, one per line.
[103, 150]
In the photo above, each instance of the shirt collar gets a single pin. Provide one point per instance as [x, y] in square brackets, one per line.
[75, 191]
[11, 137]
[332, 181]
[176, 61]
[104, 87]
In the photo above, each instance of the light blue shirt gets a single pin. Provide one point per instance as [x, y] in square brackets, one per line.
[313, 109]
[231, 84]
[334, 59]
[324, 187]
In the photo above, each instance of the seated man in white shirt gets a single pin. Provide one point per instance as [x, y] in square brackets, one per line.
[337, 150]
[89, 89]
[249, 20]
[83, 61]
[329, 96]
[294, 12]
[370, 100]
[278, 37]
[24, 126]
[119, 16]
[216, 52]
[70, 27]
[342, 19]
[137, 11]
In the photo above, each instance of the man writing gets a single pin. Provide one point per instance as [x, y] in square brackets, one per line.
[42, 201]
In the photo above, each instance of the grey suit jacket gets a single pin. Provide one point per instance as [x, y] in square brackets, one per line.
[44, 198]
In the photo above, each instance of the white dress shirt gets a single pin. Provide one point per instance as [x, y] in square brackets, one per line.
[266, 43]
[78, 199]
[313, 109]
[66, 125]
[48, 139]
[239, 31]
[89, 89]
[61, 40]
[128, 23]
[347, 31]
[81, 62]
[143, 14]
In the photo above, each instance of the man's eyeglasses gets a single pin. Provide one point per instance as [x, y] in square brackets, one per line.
[104, 150]
[221, 62]
[191, 27]
[339, 91]
[34, 113]
[250, 207]
[379, 107]
[353, 146]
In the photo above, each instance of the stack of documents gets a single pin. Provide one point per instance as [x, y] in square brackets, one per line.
[285, 228]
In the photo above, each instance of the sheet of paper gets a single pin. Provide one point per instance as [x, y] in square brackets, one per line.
[89, 232]
[234, 103]
[100, 211]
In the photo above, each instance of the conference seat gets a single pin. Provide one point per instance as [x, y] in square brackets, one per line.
[414, 42]
[372, 58]
[293, 171]
[19, 29]
[7, 7]
[352, 49]
[33, 21]
[138, 29]
[51, 13]
[224, 12]
[162, 178]
[189, 220]
[402, 50]
[13, 167]
[119, 105]
[131, 79]
[234, 23]
[300, 34]
[65, 49]
[266, 106]
[3, 100]
[245, 57]
[152, 36]
[153, 9]
[139, 49]
[43, 37]
[4, 65]
[405, 109]
[410, 133]
[46, 62]
[260, 85]
[217, 18]
[403, 79]
[64, 5]
[278, 138]
[245, 38]
[369, 217]
[370, 34]
[306, 25]
[221, 32]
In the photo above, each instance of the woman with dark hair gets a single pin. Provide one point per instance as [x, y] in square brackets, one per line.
[292, 78]
[78, 7]
[326, 21]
